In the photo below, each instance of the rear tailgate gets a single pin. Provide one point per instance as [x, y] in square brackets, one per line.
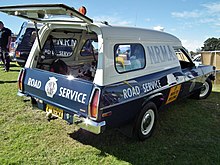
[58, 90]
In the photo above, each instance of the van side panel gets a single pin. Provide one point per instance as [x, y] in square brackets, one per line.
[125, 99]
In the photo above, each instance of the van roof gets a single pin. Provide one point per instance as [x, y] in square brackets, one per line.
[138, 34]
[43, 12]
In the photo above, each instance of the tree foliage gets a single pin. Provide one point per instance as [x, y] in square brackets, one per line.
[211, 44]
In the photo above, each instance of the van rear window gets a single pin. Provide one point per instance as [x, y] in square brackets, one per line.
[129, 57]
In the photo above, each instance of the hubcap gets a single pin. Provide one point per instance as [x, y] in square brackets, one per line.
[147, 122]
[204, 90]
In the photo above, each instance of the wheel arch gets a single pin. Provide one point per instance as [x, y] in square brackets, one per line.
[157, 99]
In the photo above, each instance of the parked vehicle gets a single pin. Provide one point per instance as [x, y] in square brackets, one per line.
[112, 77]
[24, 42]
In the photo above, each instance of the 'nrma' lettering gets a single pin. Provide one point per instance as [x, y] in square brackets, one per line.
[160, 54]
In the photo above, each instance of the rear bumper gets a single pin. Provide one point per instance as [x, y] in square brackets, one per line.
[82, 122]
[89, 125]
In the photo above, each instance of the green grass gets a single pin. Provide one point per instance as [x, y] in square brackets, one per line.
[187, 133]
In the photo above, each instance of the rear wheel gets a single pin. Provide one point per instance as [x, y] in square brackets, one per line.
[146, 121]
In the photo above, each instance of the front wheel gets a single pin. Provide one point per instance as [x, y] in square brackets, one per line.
[146, 121]
[206, 89]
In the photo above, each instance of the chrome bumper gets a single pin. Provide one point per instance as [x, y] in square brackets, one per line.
[89, 125]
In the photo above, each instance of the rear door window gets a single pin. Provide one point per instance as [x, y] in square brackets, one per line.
[129, 57]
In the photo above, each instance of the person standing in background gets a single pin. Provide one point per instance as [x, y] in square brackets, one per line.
[5, 39]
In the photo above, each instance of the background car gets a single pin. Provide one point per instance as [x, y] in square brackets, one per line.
[24, 42]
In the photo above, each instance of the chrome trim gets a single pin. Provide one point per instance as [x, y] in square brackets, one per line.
[88, 124]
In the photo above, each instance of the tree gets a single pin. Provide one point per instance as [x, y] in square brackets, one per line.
[211, 44]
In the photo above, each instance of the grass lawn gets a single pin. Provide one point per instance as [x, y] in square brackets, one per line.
[187, 133]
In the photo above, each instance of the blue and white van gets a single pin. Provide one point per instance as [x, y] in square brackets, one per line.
[106, 76]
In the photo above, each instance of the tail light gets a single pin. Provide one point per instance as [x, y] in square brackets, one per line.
[17, 53]
[20, 80]
[94, 104]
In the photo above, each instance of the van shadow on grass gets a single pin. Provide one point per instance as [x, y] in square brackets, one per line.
[130, 150]
[112, 142]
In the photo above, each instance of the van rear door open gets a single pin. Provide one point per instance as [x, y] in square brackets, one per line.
[69, 94]
[41, 13]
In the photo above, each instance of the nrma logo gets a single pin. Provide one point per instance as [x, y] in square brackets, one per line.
[51, 87]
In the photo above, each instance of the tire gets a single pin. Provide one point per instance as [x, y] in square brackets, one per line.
[146, 122]
[206, 89]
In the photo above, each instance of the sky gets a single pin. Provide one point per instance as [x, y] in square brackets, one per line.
[192, 21]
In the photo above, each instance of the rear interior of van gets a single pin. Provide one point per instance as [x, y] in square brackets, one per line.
[69, 52]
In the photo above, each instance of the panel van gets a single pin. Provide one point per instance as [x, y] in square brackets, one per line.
[111, 76]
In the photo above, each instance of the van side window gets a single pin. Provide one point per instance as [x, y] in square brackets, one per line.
[129, 57]
[90, 48]
[184, 59]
